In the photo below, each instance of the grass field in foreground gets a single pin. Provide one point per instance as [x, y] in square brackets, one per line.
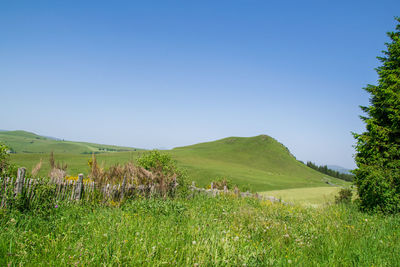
[202, 231]
[308, 196]
[259, 162]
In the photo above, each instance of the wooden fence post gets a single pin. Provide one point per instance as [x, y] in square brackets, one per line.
[237, 191]
[123, 187]
[4, 192]
[20, 181]
[79, 187]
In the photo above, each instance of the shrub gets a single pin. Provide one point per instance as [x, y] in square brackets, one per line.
[376, 190]
[221, 182]
[165, 171]
[344, 196]
[6, 168]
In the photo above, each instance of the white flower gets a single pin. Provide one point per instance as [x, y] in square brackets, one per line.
[194, 242]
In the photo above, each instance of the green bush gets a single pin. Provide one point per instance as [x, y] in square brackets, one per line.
[376, 190]
[157, 162]
[6, 168]
[344, 196]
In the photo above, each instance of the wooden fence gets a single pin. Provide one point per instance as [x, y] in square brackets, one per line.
[81, 190]
[214, 192]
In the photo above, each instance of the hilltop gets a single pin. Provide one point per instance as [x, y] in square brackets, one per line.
[27, 142]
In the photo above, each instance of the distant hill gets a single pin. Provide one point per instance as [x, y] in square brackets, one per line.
[339, 169]
[27, 142]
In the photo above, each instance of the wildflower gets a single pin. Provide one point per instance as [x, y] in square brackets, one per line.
[194, 242]
[289, 261]
[366, 220]
[56, 206]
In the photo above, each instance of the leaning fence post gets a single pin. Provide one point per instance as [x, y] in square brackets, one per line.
[79, 187]
[20, 181]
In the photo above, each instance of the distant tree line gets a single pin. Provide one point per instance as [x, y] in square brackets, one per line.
[324, 169]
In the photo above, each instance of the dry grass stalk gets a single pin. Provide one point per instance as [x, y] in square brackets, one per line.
[37, 168]
[57, 170]
[57, 174]
[52, 161]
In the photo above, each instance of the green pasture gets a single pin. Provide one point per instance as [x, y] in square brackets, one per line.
[201, 231]
[308, 196]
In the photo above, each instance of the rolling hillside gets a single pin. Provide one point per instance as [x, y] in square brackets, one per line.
[259, 163]
[27, 142]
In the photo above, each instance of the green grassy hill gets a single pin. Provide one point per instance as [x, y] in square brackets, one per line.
[259, 163]
[26, 142]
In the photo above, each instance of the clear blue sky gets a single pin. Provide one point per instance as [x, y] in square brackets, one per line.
[154, 74]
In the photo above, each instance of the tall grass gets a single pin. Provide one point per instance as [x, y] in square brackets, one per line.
[222, 231]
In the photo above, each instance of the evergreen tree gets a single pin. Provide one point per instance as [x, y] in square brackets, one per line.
[378, 148]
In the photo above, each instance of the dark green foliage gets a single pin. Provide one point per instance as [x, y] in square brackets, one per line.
[378, 148]
[39, 200]
[324, 169]
[344, 196]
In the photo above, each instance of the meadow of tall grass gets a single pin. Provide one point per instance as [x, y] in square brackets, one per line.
[199, 231]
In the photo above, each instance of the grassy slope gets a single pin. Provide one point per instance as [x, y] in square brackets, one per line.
[26, 142]
[260, 162]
